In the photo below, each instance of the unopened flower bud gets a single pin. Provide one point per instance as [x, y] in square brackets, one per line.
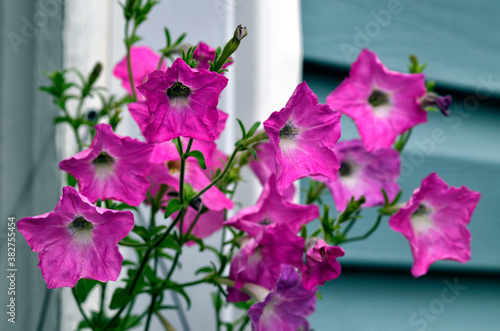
[310, 243]
[240, 32]
[231, 46]
[433, 99]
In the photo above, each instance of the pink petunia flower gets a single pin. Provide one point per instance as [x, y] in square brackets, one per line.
[303, 134]
[113, 167]
[182, 102]
[382, 103]
[364, 173]
[77, 240]
[321, 264]
[286, 307]
[265, 166]
[434, 222]
[204, 53]
[259, 259]
[272, 208]
[143, 60]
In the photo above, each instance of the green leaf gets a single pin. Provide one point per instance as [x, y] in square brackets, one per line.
[167, 35]
[316, 233]
[127, 262]
[217, 301]
[124, 206]
[197, 240]
[71, 180]
[386, 198]
[83, 288]
[253, 129]
[132, 321]
[254, 153]
[170, 243]
[175, 287]
[120, 298]
[245, 305]
[83, 325]
[199, 157]
[157, 229]
[142, 231]
[173, 206]
[242, 127]
[150, 275]
[303, 231]
[180, 39]
[204, 270]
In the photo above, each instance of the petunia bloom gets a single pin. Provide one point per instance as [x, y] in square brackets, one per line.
[272, 208]
[260, 258]
[113, 167]
[182, 102]
[364, 173]
[143, 61]
[382, 103]
[77, 240]
[286, 307]
[321, 264]
[265, 166]
[204, 53]
[434, 221]
[140, 113]
[303, 134]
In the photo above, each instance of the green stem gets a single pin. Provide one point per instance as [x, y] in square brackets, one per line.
[129, 61]
[403, 139]
[166, 324]
[172, 268]
[127, 315]
[183, 166]
[81, 309]
[316, 193]
[156, 204]
[259, 137]
[221, 175]
[103, 294]
[77, 138]
[366, 235]
[151, 310]
[145, 260]
[158, 67]
[153, 247]
[197, 217]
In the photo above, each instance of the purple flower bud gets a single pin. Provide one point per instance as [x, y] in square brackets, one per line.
[432, 99]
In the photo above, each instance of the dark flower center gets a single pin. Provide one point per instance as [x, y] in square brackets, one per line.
[345, 169]
[196, 203]
[288, 131]
[178, 90]
[80, 223]
[378, 98]
[265, 221]
[174, 166]
[103, 159]
[421, 210]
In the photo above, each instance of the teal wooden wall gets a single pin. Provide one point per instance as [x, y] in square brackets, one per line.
[460, 41]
